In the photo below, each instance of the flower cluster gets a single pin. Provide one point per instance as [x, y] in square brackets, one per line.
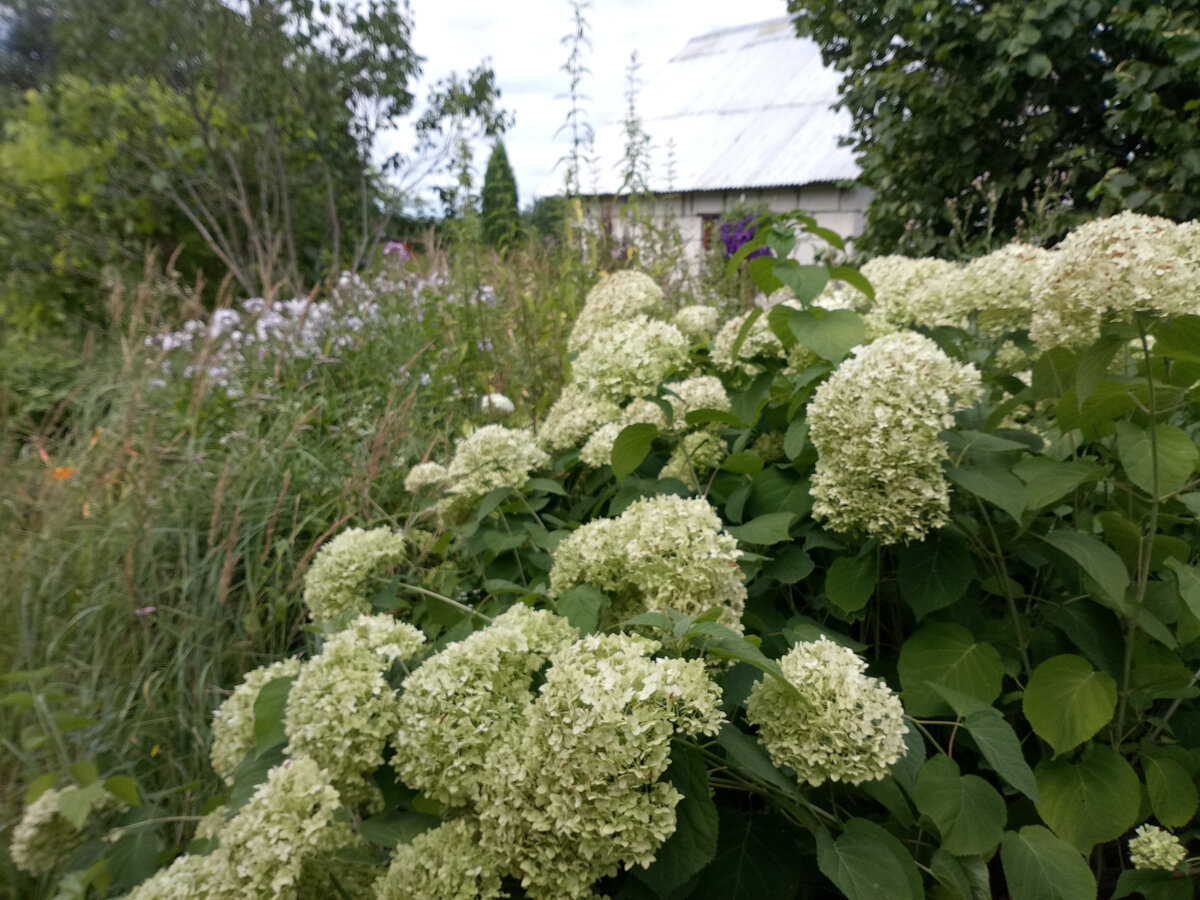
[697, 454]
[735, 235]
[998, 286]
[340, 710]
[261, 851]
[904, 296]
[699, 392]
[760, 343]
[468, 699]
[697, 321]
[630, 358]
[43, 837]
[425, 475]
[338, 580]
[1118, 266]
[616, 298]
[492, 457]
[233, 720]
[496, 403]
[444, 863]
[597, 449]
[573, 416]
[842, 726]
[579, 797]
[663, 551]
[1155, 848]
[875, 424]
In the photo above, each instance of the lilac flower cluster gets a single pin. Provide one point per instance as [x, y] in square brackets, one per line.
[734, 235]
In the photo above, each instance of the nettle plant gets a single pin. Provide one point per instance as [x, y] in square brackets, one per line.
[885, 589]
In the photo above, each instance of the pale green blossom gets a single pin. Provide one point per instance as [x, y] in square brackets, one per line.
[43, 838]
[999, 286]
[698, 392]
[579, 796]
[1119, 266]
[444, 863]
[340, 577]
[469, 698]
[696, 455]
[630, 358]
[488, 458]
[1155, 848]
[574, 416]
[425, 475]
[597, 450]
[616, 298]
[844, 726]
[661, 552]
[875, 424]
[697, 322]
[642, 411]
[341, 712]
[903, 294]
[233, 720]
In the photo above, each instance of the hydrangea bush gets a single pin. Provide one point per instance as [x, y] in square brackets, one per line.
[885, 588]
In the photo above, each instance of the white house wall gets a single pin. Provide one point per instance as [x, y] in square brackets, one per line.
[838, 209]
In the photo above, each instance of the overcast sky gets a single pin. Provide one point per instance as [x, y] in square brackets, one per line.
[523, 40]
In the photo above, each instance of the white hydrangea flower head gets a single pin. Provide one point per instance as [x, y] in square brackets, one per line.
[580, 797]
[698, 392]
[661, 552]
[903, 295]
[444, 863]
[1122, 265]
[469, 698]
[1155, 848]
[233, 720]
[999, 287]
[497, 403]
[43, 838]
[616, 298]
[426, 475]
[875, 424]
[695, 456]
[761, 343]
[339, 579]
[341, 712]
[841, 295]
[697, 321]
[597, 450]
[844, 726]
[187, 878]
[493, 457]
[574, 416]
[644, 412]
[288, 819]
[630, 358]
[1010, 358]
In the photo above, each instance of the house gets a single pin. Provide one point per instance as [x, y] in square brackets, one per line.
[740, 117]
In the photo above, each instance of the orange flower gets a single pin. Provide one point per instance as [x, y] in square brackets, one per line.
[62, 473]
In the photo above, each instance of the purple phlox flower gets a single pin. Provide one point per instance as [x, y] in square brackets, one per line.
[734, 235]
[400, 250]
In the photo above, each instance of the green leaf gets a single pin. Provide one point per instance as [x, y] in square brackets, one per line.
[269, 711]
[124, 788]
[867, 862]
[1172, 791]
[250, 773]
[747, 404]
[39, 786]
[396, 826]
[1098, 560]
[706, 416]
[829, 334]
[694, 843]
[1000, 747]
[854, 278]
[752, 860]
[850, 582]
[965, 878]
[74, 804]
[546, 485]
[1176, 457]
[1066, 701]
[746, 462]
[631, 447]
[791, 564]
[995, 484]
[934, 573]
[1091, 801]
[796, 438]
[1039, 866]
[1094, 365]
[947, 654]
[1189, 584]
[654, 619]
[1047, 480]
[968, 812]
[770, 528]
[1147, 882]
[806, 282]
[582, 606]
[134, 857]
[85, 772]
[746, 754]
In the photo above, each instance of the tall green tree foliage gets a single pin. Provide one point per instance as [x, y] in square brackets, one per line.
[500, 216]
[1003, 102]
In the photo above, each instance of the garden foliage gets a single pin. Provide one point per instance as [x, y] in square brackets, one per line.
[887, 588]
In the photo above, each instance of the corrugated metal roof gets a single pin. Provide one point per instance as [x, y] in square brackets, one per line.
[746, 107]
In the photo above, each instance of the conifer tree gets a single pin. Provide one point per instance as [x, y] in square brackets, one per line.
[500, 220]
